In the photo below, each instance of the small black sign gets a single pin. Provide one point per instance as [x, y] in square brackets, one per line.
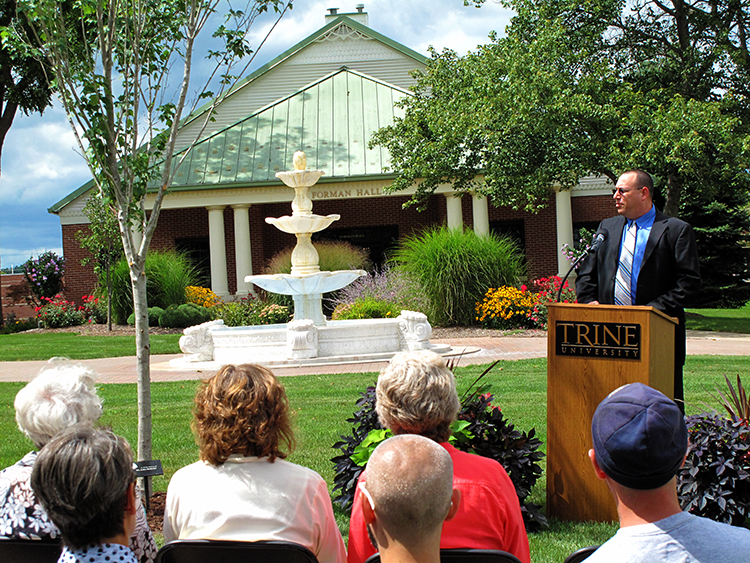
[148, 468]
[609, 341]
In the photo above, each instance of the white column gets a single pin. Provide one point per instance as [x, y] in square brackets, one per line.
[564, 228]
[481, 215]
[242, 252]
[455, 214]
[218, 248]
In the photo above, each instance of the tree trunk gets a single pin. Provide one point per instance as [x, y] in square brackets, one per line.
[109, 299]
[672, 197]
[143, 351]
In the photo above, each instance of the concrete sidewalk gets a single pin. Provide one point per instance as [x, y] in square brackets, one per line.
[475, 351]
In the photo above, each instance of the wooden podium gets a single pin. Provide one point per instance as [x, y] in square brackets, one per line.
[591, 351]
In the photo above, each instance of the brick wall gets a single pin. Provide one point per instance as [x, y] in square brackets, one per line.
[20, 310]
[79, 280]
[592, 209]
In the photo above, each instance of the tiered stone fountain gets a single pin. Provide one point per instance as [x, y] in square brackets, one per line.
[309, 338]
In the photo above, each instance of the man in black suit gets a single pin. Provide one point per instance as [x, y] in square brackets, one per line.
[662, 268]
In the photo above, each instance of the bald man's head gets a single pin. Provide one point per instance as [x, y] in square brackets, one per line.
[410, 481]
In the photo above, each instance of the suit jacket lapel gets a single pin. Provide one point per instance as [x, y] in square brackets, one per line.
[657, 230]
[613, 256]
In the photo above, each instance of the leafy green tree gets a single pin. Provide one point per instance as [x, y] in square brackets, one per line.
[23, 84]
[575, 88]
[103, 242]
[113, 80]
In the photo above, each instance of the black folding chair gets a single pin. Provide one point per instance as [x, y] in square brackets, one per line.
[30, 551]
[581, 554]
[200, 551]
[469, 555]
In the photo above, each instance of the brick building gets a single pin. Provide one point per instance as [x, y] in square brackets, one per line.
[325, 95]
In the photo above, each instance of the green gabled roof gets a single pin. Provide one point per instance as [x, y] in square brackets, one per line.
[342, 19]
[57, 207]
[331, 119]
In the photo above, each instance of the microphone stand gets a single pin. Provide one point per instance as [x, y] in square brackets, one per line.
[562, 283]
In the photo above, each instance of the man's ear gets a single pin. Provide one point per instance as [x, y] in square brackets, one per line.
[455, 502]
[598, 470]
[131, 502]
[367, 511]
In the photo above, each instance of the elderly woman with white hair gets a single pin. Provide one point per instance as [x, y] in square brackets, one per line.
[416, 394]
[60, 396]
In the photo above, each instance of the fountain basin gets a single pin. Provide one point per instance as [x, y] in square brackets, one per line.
[295, 224]
[302, 284]
[303, 343]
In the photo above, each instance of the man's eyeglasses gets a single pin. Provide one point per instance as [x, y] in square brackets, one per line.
[615, 191]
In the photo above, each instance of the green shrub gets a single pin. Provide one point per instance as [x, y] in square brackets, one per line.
[94, 309]
[366, 308]
[154, 314]
[250, 311]
[44, 275]
[13, 325]
[332, 256]
[168, 274]
[185, 315]
[454, 268]
[58, 313]
[273, 314]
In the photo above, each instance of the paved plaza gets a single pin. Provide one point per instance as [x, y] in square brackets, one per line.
[470, 350]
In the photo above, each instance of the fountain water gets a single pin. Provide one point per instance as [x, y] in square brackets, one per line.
[308, 338]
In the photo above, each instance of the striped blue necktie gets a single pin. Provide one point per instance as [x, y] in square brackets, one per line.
[623, 295]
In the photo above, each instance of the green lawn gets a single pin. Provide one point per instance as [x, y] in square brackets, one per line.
[42, 346]
[721, 320]
[321, 404]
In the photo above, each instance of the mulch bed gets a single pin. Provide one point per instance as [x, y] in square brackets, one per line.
[155, 512]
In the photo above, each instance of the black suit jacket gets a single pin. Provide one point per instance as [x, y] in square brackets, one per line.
[669, 276]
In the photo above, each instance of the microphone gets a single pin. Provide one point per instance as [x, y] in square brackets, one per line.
[596, 242]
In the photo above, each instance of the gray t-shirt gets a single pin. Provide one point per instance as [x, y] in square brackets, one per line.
[681, 538]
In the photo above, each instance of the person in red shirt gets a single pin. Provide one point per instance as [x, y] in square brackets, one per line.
[416, 394]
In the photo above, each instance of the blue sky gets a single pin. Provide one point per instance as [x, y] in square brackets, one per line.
[41, 163]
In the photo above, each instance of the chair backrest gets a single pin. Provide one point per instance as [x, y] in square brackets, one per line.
[199, 551]
[30, 551]
[581, 554]
[466, 554]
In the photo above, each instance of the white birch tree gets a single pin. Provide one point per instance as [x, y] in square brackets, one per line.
[112, 62]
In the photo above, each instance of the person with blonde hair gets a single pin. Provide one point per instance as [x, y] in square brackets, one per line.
[416, 394]
[242, 488]
[60, 396]
[409, 495]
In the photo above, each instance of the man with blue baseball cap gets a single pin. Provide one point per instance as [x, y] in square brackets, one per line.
[640, 443]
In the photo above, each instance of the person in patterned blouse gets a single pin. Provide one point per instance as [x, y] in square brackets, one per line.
[85, 481]
[63, 394]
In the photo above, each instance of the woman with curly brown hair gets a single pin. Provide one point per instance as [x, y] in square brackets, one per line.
[242, 488]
